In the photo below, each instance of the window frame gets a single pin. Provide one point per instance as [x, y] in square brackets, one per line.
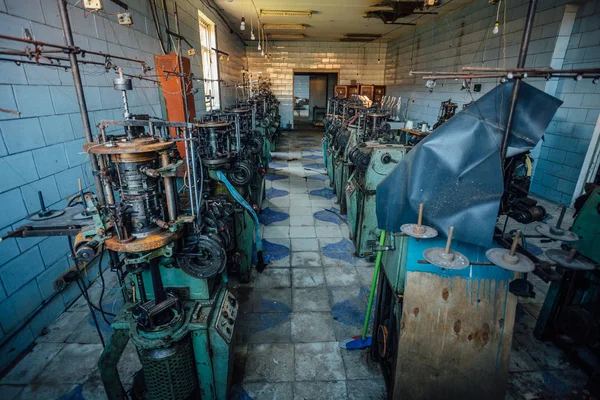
[210, 62]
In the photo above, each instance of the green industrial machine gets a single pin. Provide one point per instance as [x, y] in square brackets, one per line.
[570, 315]
[177, 248]
[336, 135]
[345, 140]
[174, 228]
[587, 227]
[342, 166]
[190, 355]
[372, 162]
[428, 318]
[174, 210]
[266, 113]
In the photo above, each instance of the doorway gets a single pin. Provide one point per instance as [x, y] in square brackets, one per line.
[311, 91]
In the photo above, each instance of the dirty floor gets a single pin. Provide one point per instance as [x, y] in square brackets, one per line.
[312, 296]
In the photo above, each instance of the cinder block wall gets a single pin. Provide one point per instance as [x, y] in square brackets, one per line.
[459, 39]
[568, 137]
[41, 149]
[354, 61]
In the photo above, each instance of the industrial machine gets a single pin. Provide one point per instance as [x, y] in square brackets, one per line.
[360, 149]
[346, 138]
[570, 314]
[266, 119]
[372, 159]
[445, 306]
[245, 168]
[175, 248]
[172, 211]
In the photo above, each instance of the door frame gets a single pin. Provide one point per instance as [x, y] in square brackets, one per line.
[313, 71]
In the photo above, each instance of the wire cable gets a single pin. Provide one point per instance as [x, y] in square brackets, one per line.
[157, 25]
[96, 324]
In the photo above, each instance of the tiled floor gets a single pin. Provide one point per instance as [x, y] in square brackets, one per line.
[312, 295]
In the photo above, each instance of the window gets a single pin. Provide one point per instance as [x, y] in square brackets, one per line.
[210, 68]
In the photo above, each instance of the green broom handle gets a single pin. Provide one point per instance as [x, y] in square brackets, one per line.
[373, 285]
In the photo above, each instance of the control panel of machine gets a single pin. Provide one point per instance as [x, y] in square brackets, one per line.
[226, 316]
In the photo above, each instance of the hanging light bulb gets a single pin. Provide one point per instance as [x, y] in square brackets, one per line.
[259, 35]
[243, 24]
[252, 37]
[496, 28]
[379, 61]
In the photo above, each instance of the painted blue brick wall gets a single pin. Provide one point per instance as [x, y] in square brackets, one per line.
[567, 139]
[41, 149]
[457, 40]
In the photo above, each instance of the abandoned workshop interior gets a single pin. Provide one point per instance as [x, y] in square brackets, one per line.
[277, 199]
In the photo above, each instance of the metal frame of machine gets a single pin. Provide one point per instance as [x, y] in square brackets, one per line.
[175, 207]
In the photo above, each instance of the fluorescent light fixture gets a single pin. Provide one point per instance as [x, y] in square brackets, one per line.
[347, 39]
[363, 35]
[286, 13]
[287, 27]
[285, 36]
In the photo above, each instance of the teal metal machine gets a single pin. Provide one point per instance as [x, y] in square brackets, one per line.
[175, 228]
[570, 315]
[266, 112]
[372, 161]
[348, 137]
[470, 309]
[377, 152]
[180, 315]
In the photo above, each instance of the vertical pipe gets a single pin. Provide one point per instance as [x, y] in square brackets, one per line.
[87, 130]
[237, 135]
[520, 64]
[110, 198]
[187, 136]
[195, 177]
[169, 189]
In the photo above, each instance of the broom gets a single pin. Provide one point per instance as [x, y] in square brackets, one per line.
[361, 342]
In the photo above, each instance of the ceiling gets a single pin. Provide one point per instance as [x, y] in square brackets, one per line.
[331, 19]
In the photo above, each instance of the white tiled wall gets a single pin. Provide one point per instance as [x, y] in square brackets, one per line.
[353, 61]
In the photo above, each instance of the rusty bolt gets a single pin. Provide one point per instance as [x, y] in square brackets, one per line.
[445, 294]
[416, 311]
[457, 326]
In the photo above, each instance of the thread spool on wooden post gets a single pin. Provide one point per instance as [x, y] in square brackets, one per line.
[449, 241]
[446, 257]
[509, 258]
[556, 232]
[569, 259]
[418, 230]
